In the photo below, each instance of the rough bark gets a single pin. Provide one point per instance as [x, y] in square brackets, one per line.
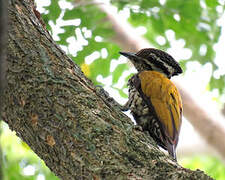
[59, 114]
[197, 115]
[3, 40]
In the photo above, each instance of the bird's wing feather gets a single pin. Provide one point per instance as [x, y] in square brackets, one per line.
[166, 101]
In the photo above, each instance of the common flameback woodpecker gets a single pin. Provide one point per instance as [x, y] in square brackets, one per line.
[154, 100]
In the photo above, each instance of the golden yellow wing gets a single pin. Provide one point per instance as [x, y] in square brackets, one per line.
[166, 102]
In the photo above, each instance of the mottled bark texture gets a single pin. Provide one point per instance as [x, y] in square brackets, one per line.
[3, 40]
[59, 114]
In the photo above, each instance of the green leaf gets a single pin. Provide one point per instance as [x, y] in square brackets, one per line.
[54, 11]
[121, 92]
[72, 14]
[118, 72]
[104, 64]
[146, 4]
[218, 84]
[211, 3]
[211, 165]
[68, 32]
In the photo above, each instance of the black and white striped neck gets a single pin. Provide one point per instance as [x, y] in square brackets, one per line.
[155, 60]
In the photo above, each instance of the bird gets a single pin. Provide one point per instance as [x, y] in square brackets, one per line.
[154, 101]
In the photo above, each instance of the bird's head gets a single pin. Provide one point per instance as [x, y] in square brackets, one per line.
[154, 60]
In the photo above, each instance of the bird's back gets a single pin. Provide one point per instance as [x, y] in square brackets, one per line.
[157, 107]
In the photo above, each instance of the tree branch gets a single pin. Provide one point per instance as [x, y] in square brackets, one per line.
[3, 40]
[59, 114]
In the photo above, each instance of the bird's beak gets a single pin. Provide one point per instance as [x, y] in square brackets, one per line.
[129, 55]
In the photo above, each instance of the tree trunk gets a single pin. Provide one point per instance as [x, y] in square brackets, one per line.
[3, 41]
[60, 115]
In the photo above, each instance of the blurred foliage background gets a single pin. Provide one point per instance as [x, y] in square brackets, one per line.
[79, 27]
